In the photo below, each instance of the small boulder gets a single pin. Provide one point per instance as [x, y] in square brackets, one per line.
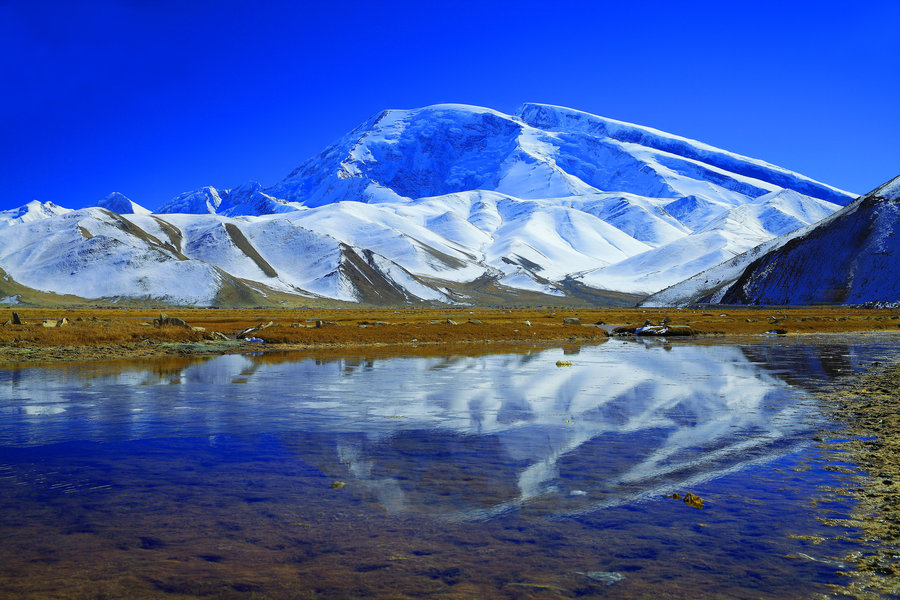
[165, 320]
[571, 321]
[49, 323]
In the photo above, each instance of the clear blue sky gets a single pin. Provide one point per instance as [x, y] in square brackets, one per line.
[153, 98]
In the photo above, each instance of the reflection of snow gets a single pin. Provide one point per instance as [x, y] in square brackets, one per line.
[625, 420]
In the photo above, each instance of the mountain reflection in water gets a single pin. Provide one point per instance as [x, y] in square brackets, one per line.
[461, 438]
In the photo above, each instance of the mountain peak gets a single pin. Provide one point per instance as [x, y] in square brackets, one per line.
[119, 203]
[32, 211]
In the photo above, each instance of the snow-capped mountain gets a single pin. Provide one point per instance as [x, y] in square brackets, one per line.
[438, 204]
[248, 199]
[33, 211]
[849, 257]
[119, 203]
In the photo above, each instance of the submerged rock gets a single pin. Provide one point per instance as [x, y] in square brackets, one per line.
[692, 500]
[607, 577]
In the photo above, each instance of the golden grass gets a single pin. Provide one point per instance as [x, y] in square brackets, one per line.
[359, 327]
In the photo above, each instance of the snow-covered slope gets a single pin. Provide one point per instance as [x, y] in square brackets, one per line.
[95, 253]
[33, 211]
[544, 152]
[851, 257]
[248, 199]
[426, 204]
[711, 284]
[119, 203]
[738, 230]
[679, 161]
[847, 257]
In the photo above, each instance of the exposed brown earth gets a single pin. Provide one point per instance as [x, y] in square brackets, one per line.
[102, 333]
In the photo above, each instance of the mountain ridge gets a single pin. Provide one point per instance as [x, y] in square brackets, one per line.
[417, 205]
[858, 240]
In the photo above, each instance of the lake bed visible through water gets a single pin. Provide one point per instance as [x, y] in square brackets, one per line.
[512, 475]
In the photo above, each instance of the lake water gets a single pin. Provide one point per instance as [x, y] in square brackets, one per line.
[493, 476]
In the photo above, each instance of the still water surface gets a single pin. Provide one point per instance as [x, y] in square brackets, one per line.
[496, 476]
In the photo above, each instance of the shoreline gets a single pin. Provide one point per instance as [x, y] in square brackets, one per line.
[868, 406]
[83, 335]
[46, 336]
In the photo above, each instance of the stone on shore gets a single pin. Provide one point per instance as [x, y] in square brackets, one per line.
[165, 320]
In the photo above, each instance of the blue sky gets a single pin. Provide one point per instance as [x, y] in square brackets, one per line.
[153, 98]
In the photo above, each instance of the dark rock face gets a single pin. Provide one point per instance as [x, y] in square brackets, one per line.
[853, 257]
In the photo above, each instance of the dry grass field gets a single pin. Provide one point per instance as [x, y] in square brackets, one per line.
[105, 332]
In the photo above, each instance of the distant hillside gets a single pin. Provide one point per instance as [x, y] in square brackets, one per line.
[850, 257]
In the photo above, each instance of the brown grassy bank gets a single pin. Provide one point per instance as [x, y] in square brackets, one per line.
[119, 333]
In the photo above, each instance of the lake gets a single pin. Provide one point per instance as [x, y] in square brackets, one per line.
[540, 473]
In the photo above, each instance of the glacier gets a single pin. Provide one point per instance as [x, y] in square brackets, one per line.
[436, 204]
